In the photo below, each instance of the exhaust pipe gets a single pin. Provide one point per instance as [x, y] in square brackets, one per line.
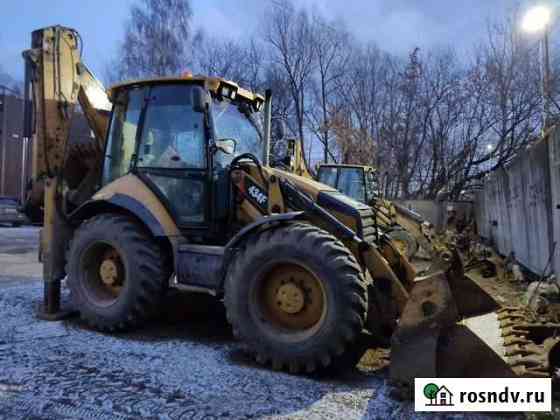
[267, 125]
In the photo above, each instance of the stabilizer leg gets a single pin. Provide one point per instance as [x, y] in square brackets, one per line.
[50, 309]
[54, 238]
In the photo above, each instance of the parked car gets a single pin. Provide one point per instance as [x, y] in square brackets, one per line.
[9, 212]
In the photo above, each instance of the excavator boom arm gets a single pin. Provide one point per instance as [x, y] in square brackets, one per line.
[58, 80]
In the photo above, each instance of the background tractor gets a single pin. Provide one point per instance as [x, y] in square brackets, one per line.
[175, 192]
[407, 229]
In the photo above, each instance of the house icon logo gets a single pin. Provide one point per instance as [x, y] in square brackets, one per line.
[439, 396]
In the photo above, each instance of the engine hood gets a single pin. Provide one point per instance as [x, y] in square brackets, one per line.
[357, 216]
[305, 184]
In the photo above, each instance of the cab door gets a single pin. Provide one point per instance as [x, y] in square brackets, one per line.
[172, 155]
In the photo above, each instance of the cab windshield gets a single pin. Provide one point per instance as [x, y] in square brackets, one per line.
[234, 120]
[347, 180]
[351, 183]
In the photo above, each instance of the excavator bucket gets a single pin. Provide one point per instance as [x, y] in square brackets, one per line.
[450, 327]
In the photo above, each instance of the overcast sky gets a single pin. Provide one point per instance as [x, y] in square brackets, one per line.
[395, 25]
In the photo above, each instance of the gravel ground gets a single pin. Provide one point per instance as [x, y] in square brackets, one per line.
[182, 369]
[18, 253]
[186, 365]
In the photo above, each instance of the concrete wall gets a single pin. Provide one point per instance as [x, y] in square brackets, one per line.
[428, 209]
[554, 163]
[514, 209]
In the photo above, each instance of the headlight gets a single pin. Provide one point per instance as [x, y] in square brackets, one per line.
[228, 91]
[258, 104]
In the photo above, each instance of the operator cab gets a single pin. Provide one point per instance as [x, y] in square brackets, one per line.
[178, 135]
[358, 182]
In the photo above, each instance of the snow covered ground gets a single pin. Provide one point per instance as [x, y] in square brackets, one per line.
[186, 366]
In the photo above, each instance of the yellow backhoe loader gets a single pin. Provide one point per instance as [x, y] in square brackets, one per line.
[176, 192]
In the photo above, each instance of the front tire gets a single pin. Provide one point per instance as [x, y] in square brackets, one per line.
[297, 297]
[116, 272]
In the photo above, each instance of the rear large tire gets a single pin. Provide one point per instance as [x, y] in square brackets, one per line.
[296, 297]
[116, 272]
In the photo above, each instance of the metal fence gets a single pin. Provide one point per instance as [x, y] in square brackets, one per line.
[516, 209]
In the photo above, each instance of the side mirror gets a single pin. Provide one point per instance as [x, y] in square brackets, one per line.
[226, 146]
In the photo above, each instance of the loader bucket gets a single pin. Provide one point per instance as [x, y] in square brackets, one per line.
[500, 344]
[429, 311]
[449, 327]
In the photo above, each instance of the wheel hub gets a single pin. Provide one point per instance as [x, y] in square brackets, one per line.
[104, 273]
[109, 272]
[290, 298]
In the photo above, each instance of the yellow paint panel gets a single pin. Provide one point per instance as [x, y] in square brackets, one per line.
[307, 185]
[133, 187]
[211, 83]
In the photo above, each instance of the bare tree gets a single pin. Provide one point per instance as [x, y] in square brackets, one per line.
[156, 41]
[432, 122]
[508, 82]
[291, 39]
[427, 121]
[242, 62]
[223, 58]
[333, 49]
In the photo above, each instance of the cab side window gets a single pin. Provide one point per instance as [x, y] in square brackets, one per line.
[172, 152]
[173, 133]
[121, 144]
